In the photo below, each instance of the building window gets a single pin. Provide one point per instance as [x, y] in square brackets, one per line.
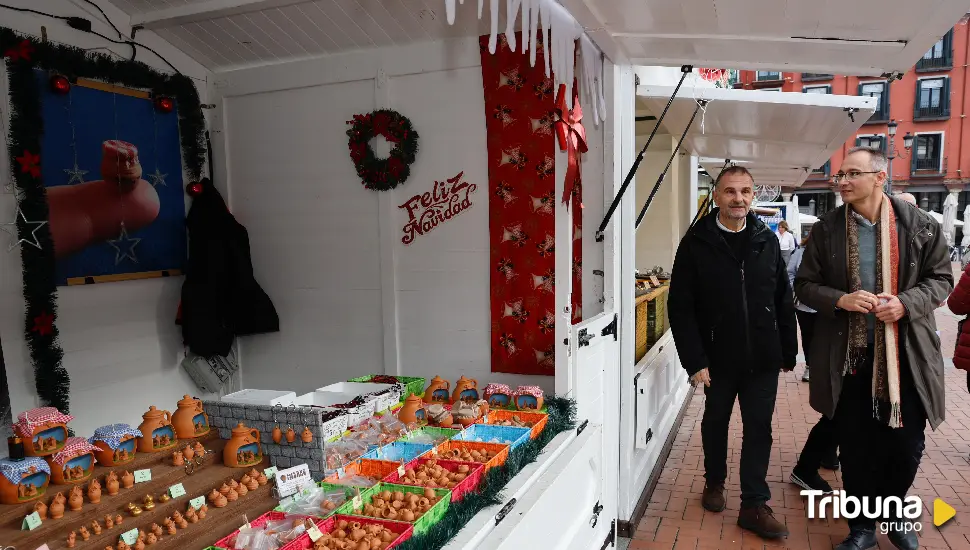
[816, 203]
[930, 201]
[928, 152]
[823, 170]
[932, 98]
[878, 91]
[817, 89]
[940, 56]
[770, 89]
[876, 141]
[806, 77]
[767, 75]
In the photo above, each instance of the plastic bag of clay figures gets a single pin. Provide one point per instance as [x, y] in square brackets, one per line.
[426, 438]
[390, 427]
[343, 452]
[271, 535]
[356, 481]
[315, 501]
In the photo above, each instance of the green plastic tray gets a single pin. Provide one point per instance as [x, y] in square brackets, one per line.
[413, 385]
[433, 431]
[423, 523]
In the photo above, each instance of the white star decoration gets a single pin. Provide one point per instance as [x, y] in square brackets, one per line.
[11, 229]
[77, 175]
[157, 178]
[126, 243]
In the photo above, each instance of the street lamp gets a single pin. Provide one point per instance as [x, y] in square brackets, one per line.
[892, 154]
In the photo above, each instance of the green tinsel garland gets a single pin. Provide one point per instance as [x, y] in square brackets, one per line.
[23, 55]
[562, 417]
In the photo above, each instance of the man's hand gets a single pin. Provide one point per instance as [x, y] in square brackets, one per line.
[859, 301]
[890, 311]
[701, 377]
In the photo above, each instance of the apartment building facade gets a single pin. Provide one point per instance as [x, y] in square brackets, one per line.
[929, 103]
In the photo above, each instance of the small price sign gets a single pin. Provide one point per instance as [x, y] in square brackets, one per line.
[130, 537]
[142, 476]
[197, 502]
[270, 472]
[340, 472]
[400, 470]
[31, 522]
[358, 502]
[314, 533]
[176, 490]
[434, 451]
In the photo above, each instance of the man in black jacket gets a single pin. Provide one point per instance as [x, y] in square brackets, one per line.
[733, 320]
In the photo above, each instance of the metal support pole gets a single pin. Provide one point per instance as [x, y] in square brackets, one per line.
[684, 70]
[660, 179]
[708, 200]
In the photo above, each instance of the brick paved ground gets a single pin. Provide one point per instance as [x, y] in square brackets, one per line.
[675, 518]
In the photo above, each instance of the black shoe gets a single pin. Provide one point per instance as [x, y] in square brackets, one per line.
[831, 463]
[809, 480]
[904, 540]
[859, 539]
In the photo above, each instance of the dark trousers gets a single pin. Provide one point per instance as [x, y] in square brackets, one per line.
[878, 460]
[821, 442]
[756, 395]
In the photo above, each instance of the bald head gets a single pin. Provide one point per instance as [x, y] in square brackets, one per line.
[908, 197]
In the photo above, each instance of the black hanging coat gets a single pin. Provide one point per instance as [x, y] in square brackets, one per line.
[220, 297]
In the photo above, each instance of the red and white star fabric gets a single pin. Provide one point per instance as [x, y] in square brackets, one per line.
[28, 420]
[74, 447]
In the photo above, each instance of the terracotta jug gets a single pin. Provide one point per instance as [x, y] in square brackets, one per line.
[111, 483]
[77, 499]
[41, 509]
[188, 453]
[277, 434]
[307, 435]
[56, 509]
[466, 386]
[242, 449]
[437, 391]
[127, 480]
[178, 459]
[412, 411]
[156, 425]
[190, 419]
[94, 491]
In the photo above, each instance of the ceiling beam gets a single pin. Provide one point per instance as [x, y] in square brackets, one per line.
[586, 16]
[203, 11]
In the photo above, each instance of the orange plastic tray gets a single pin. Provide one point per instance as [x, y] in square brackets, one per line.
[539, 420]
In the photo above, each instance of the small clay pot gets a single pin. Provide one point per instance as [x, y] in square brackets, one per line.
[127, 480]
[277, 434]
[307, 435]
[94, 491]
[188, 453]
[178, 459]
[56, 508]
[290, 435]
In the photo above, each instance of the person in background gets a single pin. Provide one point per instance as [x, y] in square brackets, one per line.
[908, 197]
[785, 240]
[959, 304]
[820, 447]
[732, 316]
[876, 269]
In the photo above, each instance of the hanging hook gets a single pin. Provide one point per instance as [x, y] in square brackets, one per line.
[307, 435]
[277, 432]
[290, 433]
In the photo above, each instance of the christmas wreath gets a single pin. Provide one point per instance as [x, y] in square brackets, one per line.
[382, 174]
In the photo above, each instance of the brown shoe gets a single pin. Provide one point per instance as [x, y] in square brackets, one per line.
[713, 499]
[761, 521]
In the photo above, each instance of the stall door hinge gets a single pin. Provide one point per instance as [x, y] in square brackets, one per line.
[582, 427]
[611, 328]
[597, 508]
[504, 511]
[611, 538]
[649, 436]
[584, 337]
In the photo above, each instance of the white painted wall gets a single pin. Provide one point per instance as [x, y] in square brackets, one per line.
[352, 299]
[121, 345]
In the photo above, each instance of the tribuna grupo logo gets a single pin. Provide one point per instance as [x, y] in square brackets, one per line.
[838, 505]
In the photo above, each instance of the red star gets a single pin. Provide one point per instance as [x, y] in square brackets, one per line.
[22, 51]
[30, 164]
[43, 324]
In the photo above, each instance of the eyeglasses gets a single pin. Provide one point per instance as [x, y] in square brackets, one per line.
[851, 175]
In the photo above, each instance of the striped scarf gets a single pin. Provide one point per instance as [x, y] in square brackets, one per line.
[885, 368]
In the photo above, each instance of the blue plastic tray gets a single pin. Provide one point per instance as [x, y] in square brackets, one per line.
[487, 433]
[398, 451]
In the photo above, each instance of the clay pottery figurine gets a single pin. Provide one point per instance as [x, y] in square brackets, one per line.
[139, 545]
[190, 418]
[111, 484]
[157, 431]
[127, 480]
[252, 485]
[76, 500]
[242, 490]
[118, 519]
[232, 496]
[163, 498]
[203, 510]
[44, 430]
[224, 490]
[34, 476]
[290, 435]
[115, 444]
[41, 509]
[109, 522]
[85, 534]
[199, 449]
[528, 398]
[71, 539]
[56, 509]
[307, 435]
[94, 491]
[178, 459]
[188, 452]
[413, 410]
[437, 391]
[232, 483]
[148, 503]
[156, 530]
[498, 395]
[243, 446]
[122, 545]
[466, 389]
[151, 539]
[96, 527]
[277, 434]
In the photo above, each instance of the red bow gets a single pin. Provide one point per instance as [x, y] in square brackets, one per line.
[572, 137]
[22, 51]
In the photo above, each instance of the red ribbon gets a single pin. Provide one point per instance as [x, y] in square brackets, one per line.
[22, 51]
[572, 137]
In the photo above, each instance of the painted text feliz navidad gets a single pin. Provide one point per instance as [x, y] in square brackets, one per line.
[432, 208]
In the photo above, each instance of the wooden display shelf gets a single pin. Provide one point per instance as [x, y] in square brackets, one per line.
[218, 523]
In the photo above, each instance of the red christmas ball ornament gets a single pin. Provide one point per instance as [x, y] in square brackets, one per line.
[164, 104]
[194, 189]
[60, 85]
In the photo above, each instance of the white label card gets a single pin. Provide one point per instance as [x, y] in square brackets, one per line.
[291, 480]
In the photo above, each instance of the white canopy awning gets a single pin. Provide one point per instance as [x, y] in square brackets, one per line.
[862, 37]
[779, 136]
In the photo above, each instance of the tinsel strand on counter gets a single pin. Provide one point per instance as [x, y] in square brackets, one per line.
[562, 417]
